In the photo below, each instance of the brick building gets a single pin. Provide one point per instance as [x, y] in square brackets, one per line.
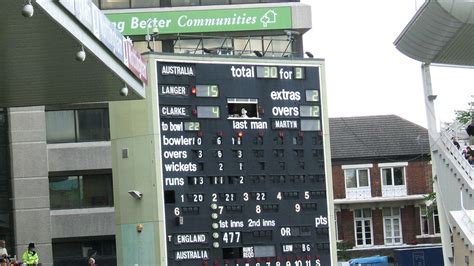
[382, 174]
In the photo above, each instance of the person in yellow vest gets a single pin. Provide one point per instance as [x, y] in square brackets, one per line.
[30, 256]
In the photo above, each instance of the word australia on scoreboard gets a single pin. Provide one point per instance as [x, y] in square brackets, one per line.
[243, 163]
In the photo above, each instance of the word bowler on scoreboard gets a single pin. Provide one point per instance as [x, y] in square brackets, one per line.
[243, 163]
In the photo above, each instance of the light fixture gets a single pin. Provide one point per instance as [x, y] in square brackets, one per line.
[81, 55]
[124, 90]
[27, 11]
[258, 53]
[151, 37]
[309, 54]
[432, 97]
[135, 194]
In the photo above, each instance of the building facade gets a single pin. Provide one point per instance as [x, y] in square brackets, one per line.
[382, 181]
[66, 148]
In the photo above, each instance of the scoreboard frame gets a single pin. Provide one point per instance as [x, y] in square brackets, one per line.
[178, 159]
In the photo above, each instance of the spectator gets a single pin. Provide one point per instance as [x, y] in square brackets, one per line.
[455, 142]
[3, 251]
[30, 256]
[471, 160]
[468, 152]
[470, 129]
[470, 132]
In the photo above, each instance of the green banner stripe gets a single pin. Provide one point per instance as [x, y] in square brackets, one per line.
[215, 20]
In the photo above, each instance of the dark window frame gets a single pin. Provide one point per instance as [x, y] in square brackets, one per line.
[81, 199]
[105, 129]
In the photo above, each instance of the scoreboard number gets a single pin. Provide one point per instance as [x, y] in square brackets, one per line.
[211, 91]
[208, 112]
[312, 96]
[309, 111]
[299, 73]
[267, 72]
[192, 126]
[231, 237]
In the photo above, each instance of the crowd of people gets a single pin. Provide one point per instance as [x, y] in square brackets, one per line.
[29, 257]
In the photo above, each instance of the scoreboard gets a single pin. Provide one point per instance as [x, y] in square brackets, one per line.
[243, 163]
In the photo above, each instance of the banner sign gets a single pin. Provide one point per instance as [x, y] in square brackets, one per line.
[213, 20]
[98, 24]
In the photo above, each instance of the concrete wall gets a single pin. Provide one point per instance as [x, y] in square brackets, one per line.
[83, 222]
[30, 186]
[79, 156]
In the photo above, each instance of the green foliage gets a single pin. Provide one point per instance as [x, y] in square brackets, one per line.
[430, 209]
[342, 247]
[464, 117]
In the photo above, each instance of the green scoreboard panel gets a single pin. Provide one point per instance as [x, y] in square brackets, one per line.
[243, 164]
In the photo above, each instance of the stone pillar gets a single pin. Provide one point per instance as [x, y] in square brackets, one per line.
[30, 186]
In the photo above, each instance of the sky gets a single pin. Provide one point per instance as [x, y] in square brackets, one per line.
[366, 74]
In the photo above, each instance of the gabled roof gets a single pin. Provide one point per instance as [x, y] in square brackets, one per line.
[376, 136]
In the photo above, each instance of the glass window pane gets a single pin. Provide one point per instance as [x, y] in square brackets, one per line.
[436, 222]
[244, 1]
[192, 46]
[387, 211]
[93, 125]
[363, 178]
[387, 176]
[367, 213]
[358, 213]
[214, 2]
[396, 211]
[184, 2]
[247, 46]
[351, 178]
[60, 126]
[97, 191]
[398, 176]
[111, 4]
[67, 249]
[276, 45]
[145, 3]
[64, 192]
[221, 46]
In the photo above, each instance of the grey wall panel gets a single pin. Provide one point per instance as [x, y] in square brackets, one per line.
[28, 125]
[83, 222]
[301, 16]
[79, 156]
[29, 159]
[31, 193]
[27, 233]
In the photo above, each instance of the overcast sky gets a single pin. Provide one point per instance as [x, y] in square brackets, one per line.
[366, 74]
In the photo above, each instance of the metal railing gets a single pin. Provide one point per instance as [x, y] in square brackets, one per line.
[457, 156]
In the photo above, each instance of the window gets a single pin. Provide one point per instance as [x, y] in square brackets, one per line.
[392, 226]
[112, 4]
[356, 178]
[357, 181]
[79, 125]
[271, 45]
[363, 227]
[394, 176]
[429, 226]
[393, 179]
[74, 251]
[80, 191]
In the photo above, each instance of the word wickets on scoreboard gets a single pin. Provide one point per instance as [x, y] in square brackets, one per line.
[243, 164]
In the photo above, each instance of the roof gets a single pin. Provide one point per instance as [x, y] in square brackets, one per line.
[440, 32]
[376, 136]
[38, 65]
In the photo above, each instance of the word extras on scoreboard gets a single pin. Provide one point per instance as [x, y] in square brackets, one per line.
[243, 164]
